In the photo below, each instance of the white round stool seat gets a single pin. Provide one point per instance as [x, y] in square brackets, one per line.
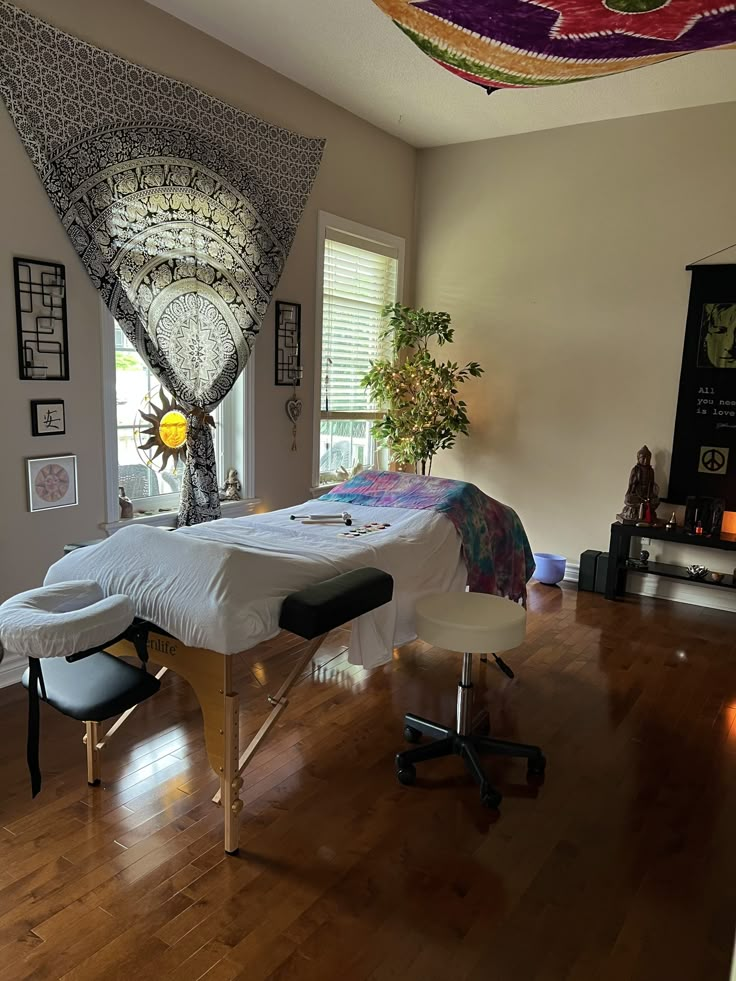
[474, 623]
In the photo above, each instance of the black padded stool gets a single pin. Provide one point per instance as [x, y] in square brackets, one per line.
[471, 623]
[92, 690]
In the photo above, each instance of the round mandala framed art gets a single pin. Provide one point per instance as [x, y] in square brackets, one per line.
[52, 483]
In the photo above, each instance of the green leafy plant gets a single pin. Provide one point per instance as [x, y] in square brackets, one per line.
[419, 394]
[126, 362]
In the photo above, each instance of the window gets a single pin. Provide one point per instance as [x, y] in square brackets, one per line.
[360, 274]
[134, 381]
[127, 383]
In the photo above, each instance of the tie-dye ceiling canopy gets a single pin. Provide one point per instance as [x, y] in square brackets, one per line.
[528, 43]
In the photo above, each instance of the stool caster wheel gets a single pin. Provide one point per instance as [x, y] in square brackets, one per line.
[490, 798]
[407, 774]
[412, 735]
[536, 766]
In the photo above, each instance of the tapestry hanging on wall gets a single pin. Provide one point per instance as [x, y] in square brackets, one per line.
[704, 445]
[182, 208]
[529, 43]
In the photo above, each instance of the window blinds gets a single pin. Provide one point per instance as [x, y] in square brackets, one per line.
[358, 283]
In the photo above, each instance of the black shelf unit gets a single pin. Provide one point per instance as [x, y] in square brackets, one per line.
[620, 547]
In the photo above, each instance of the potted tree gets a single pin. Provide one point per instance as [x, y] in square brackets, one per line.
[420, 395]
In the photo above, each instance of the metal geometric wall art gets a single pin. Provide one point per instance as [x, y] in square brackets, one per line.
[40, 310]
[288, 338]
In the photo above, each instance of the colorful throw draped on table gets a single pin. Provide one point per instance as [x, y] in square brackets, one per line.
[495, 546]
[528, 43]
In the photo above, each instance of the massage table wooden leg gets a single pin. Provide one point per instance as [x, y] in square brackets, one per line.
[231, 782]
[210, 676]
[91, 739]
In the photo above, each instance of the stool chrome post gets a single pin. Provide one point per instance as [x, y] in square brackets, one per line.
[465, 697]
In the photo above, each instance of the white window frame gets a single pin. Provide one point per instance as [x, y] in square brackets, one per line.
[326, 223]
[234, 443]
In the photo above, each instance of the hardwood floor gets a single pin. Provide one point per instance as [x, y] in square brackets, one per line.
[621, 866]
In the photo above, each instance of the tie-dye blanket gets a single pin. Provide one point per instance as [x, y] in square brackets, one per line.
[529, 43]
[495, 547]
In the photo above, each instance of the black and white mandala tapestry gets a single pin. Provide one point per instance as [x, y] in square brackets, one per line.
[182, 208]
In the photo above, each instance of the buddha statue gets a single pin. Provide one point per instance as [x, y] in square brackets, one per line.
[642, 497]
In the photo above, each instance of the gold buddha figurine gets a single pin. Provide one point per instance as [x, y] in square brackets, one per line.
[642, 497]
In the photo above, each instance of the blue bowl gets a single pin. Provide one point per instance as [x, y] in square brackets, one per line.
[550, 568]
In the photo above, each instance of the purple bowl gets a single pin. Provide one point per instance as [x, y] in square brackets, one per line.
[550, 568]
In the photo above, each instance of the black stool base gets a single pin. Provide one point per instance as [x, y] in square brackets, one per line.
[447, 742]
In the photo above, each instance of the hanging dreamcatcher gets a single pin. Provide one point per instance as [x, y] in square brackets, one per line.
[160, 431]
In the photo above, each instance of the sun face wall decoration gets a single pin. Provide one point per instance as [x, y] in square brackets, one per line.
[163, 430]
[52, 482]
[531, 43]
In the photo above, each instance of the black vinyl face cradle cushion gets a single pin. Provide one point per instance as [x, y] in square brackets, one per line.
[318, 609]
[94, 689]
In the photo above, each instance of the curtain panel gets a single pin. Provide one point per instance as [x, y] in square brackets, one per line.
[181, 207]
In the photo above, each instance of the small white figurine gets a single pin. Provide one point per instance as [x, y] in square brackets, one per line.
[231, 490]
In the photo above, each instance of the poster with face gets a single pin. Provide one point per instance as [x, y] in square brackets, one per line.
[704, 444]
[718, 336]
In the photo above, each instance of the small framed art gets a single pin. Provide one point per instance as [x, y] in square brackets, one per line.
[52, 482]
[40, 311]
[288, 337]
[47, 417]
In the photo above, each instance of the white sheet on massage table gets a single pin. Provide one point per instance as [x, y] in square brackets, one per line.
[220, 585]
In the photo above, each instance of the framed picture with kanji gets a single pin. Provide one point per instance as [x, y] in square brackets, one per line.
[47, 417]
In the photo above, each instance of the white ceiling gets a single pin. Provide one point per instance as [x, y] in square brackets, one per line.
[349, 52]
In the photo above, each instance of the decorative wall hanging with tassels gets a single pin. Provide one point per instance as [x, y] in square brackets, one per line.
[182, 208]
[528, 43]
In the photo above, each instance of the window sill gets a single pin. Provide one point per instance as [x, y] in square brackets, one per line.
[323, 489]
[167, 519]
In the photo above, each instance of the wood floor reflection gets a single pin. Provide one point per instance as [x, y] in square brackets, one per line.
[621, 866]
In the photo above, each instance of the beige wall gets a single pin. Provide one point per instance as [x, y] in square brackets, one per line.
[366, 176]
[561, 256]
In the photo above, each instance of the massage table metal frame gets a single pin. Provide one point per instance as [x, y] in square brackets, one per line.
[210, 676]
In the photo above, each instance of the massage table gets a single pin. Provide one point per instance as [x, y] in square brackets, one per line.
[190, 600]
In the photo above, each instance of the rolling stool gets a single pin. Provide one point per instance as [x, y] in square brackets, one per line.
[473, 623]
